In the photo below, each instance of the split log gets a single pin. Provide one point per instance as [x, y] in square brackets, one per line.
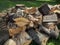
[38, 37]
[44, 9]
[50, 18]
[21, 21]
[21, 6]
[31, 10]
[10, 42]
[51, 32]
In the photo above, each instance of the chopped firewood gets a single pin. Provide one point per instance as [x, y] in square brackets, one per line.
[25, 24]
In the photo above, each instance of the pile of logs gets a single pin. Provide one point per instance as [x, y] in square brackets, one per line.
[25, 24]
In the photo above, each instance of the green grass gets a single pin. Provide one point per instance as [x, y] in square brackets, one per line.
[4, 4]
[44, 0]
